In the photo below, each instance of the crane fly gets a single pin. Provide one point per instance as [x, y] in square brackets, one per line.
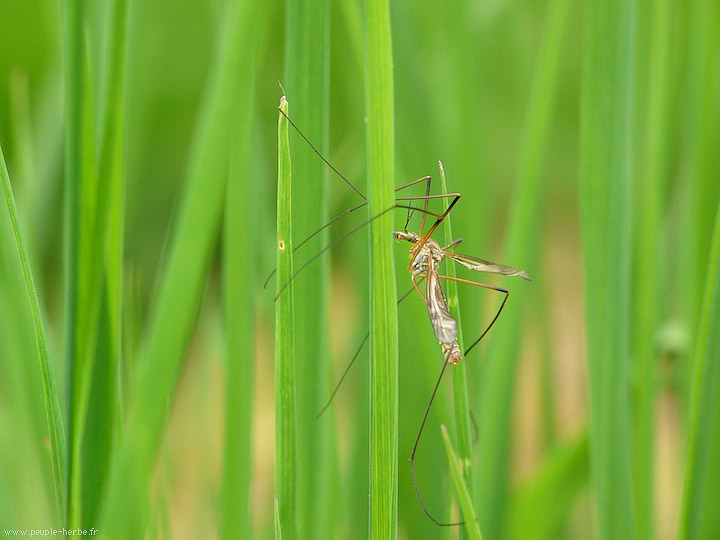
[425, 257]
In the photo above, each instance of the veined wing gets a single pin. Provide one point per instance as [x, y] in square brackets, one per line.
[480, 265]
[443, 323]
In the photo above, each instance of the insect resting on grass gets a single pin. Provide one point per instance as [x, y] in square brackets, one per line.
[425, 257]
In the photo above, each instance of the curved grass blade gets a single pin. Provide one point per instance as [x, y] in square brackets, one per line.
[56, 430]
[471, 525]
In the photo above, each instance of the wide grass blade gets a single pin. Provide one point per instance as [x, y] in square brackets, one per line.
[383, 307]
[697, 505]
[285, 384]
[307, 63]
[607, 97]
[471, 526]
[194, 236]
[56, 430]
[239, 289]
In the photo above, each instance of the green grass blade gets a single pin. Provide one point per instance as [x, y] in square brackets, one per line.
[383, 308]
[459, 376]
[471, 526]
[285, 384]
[239, 288]
[105, 277]
[56, 431]
[522, 246]
[647, 305]
[194, 236]
[607, 95]
[704, 404]
[307, 82]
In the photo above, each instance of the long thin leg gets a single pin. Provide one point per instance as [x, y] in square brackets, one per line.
[478, 284]
[414, 451]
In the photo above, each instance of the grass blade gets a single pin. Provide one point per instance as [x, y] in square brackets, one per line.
[472, 526]
[285, 384]
[56, 431]
[239, 284]
[383, 308]
[704, 404]
[607, 95]
[459, 372]
[307, 82]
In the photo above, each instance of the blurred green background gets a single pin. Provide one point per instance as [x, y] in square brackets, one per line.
[523, 102]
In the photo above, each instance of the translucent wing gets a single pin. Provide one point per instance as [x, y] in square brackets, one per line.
[480, 265]
[443, 323]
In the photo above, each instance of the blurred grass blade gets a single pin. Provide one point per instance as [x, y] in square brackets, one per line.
[105, 276]
[306, 80]
[607, 97]
[471, 526]
[497, 383]
[285, 384]
[194, 236]
[704, 406]
[647, 291]
[383, 307]
[56, 430]
[540, 508]
[239, 293]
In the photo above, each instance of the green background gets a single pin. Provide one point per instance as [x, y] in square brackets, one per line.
[141, 143]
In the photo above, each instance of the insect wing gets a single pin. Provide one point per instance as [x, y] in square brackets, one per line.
[443, 323]
[480, 265]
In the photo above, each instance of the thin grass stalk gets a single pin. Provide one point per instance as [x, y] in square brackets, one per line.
[471, 527]
[56, 431]
[522, 246]
[285, 383]
[194, 236]
[704, 405]
[307, 62]
[74, 86]
[607, 96]
[459, 372]
[383, 307]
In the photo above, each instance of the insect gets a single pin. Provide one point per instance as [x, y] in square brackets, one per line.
[425, 257]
